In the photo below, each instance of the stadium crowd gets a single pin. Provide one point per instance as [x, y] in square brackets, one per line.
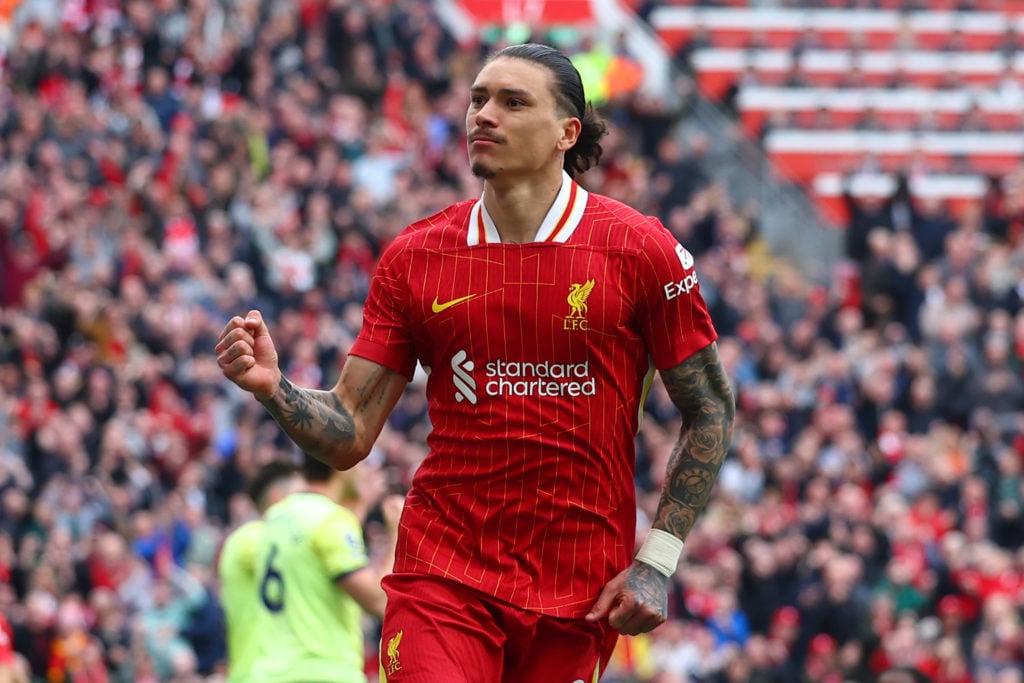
[165, 165]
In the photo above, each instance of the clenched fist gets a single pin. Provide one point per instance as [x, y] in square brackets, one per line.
[247, 357]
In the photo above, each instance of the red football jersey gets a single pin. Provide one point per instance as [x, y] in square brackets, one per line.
[538, 357]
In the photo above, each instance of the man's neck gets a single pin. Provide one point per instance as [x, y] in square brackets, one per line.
[518, 208]
[328, 489]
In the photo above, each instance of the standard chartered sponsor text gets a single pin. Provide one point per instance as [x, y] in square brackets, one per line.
[544, 378]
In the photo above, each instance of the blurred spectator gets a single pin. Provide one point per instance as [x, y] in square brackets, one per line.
[162, 624]
[163, 165]
[13, 667]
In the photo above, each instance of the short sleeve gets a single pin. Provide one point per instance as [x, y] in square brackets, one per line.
[338, 542]
[249, 548]
[386, 337]
[241, 550]
[672, 315]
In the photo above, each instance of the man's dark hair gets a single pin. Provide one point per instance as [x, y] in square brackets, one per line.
[266, 477]
[314, 470]
[568, 92]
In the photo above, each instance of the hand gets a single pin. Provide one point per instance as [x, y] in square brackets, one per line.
[391, 510]
[247, 357]
[371, 483]
[635, 601]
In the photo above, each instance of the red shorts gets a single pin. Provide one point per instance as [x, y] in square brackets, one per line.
[439, 631]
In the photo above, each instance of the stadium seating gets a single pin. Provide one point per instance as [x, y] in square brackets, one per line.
[802, 153]
[905, 108]
[834, 90]
[836, 27]
[718, 69]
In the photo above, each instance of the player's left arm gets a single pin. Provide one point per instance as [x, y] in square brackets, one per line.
[700, 389]
[363, 586]
[636, 600]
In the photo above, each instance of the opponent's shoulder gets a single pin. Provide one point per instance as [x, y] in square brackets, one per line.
[310, 509]
[245, 534]
[300, 502]
[340, 516]
[248, 531]
[240, 544]
[299, 510]
[338, 530]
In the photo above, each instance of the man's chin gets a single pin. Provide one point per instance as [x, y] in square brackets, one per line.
[482, 171]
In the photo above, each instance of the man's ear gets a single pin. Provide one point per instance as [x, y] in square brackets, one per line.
[571, 128]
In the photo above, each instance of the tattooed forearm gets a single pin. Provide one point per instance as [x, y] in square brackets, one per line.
[315, 420]
[700, 390]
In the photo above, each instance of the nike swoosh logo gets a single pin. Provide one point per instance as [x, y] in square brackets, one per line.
[438, 307]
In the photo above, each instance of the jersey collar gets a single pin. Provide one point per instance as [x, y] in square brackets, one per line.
[558, 225]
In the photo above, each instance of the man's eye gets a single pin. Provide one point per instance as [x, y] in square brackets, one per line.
[476, 100]
[515, 103]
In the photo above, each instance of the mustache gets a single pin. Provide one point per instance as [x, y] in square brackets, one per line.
[480, 135]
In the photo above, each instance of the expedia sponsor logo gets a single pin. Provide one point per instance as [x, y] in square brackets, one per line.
[686, 285]
[685, 257]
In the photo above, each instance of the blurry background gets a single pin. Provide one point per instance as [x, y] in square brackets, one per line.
[848, 175]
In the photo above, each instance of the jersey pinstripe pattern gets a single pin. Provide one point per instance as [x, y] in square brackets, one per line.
[534, 382]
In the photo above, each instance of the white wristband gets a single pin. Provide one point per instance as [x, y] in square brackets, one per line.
[661, 550]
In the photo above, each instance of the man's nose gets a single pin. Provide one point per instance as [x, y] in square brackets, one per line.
[486, 115]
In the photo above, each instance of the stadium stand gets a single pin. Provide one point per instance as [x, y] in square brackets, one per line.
[166, 164]
[826, 87]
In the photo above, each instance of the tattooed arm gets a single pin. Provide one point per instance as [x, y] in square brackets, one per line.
[635, 601]
[700, 390]
[337, 427]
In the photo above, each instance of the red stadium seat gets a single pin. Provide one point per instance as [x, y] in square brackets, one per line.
[718, 69]
[896, 109]
[834, 27]
[802, 154]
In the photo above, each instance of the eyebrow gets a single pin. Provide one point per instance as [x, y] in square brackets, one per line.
[507, 92]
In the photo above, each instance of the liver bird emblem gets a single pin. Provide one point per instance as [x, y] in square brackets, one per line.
[393, 643]
[577, 298]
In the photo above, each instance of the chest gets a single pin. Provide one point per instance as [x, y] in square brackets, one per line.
[550, 298]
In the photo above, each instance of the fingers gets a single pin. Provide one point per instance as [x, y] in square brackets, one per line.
[622, 610]
[391, 508]
[634, 618]
[238, 366]
[251, 326]
[232, 332]
[604, 604]
[373, 484]
[625, 608]
[234, 350]
[237, 345]
[255, 324]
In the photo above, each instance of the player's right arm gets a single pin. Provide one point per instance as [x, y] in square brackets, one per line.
[339, 544]
[337, 427]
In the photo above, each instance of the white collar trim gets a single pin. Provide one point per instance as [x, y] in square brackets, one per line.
[558, 225]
